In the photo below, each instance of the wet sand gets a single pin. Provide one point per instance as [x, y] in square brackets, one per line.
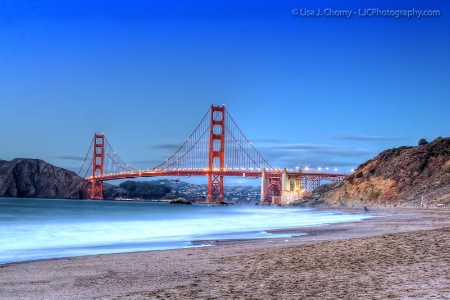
[401, 253]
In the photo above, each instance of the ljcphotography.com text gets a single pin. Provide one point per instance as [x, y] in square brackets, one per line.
[365, 12]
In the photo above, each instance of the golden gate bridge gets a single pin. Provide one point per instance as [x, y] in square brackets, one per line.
[217, 148]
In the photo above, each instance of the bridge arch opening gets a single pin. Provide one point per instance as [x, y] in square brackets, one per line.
[216, 163]
[218, 115]
[217, 129]
[217, 145]
[273, 191]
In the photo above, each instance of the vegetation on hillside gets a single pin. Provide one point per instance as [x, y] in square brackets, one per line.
[398, 176]
[142, 190]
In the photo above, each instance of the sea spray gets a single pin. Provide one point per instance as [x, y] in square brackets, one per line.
[49, 228]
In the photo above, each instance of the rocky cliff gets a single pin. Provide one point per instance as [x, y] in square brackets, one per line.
[34, 178]
[400, 176]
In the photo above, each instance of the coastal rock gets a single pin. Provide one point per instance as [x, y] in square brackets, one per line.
[34, 178]
[399, 176]
[180, 201]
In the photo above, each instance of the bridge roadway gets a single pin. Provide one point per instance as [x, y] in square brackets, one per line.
[237, 173]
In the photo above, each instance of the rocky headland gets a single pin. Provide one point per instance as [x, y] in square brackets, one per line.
[402, 176]
[34, 178]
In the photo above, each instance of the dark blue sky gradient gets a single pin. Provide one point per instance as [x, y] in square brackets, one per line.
[317, 91]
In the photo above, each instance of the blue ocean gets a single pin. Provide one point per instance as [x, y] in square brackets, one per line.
[49, 228]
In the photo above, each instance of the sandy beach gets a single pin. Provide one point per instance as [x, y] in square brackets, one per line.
[401, 253]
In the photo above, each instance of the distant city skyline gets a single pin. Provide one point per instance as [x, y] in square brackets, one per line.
[307, 90]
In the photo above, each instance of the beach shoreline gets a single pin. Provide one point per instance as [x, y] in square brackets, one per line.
[263, 268]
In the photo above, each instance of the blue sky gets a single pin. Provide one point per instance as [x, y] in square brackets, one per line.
[308, 91]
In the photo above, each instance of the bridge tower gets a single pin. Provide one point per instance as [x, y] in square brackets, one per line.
[216, 153]
[98, 163]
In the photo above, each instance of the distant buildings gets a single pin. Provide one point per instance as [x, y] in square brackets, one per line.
[236, 194]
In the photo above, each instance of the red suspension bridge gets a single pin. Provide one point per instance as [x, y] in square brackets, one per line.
[217, 148]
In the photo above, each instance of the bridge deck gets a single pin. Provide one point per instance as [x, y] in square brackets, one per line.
[235, 173]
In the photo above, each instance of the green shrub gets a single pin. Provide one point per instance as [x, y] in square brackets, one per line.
[423, 141]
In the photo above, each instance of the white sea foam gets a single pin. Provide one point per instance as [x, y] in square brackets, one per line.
[37, 228]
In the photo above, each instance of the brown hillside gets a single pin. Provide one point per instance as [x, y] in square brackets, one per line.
[398, 176]
[30, 178]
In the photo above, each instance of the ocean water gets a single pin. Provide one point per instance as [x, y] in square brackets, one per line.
[48, 228]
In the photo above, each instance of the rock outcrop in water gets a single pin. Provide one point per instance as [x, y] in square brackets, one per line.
[34, 178]
[398, 176]
[180, 200]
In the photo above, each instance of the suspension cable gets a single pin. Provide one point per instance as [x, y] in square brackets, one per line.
[87, 171]
[187, 140]
[243, 135]
[121, 160]
[187, 152]
[82, 165]
[116, 163]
